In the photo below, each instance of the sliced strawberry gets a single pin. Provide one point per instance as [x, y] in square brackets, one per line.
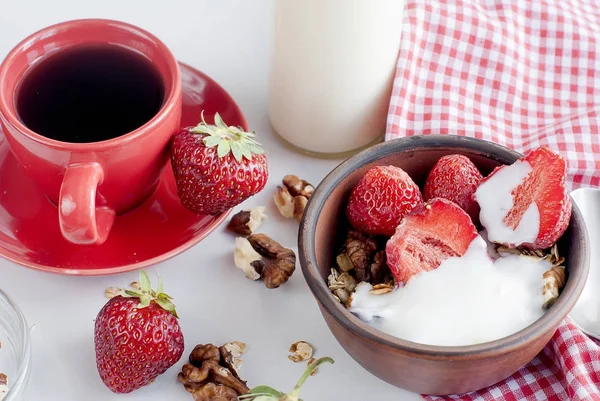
[526, 203]
[454, 177]
[428, 236]
[382, 197]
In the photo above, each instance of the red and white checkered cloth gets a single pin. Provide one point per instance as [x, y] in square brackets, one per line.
[568, 368]
[521, 73]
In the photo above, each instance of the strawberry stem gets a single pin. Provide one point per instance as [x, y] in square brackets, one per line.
[228, 139]
[146, 294]
[311, 368]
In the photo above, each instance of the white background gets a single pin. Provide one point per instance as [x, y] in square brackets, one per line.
[228, 40]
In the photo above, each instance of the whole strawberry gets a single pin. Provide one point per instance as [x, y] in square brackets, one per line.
[217, 167]
[454, 177]
[380, 199]
[137, 337]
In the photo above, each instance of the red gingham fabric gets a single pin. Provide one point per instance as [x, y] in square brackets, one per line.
[524, 74]
[521, 73]
[568, 368]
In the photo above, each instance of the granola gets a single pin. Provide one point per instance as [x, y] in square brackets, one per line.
[554, 279]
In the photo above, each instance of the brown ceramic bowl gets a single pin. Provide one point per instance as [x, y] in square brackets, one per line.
[416, 367]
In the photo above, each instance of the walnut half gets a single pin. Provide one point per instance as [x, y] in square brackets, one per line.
[298, 187]
[204, 352]
[284, 202]
[243, 257]
[364, 257]
[230, 356]
[215, 392]
[212, 372]
[246, 222]
[208, 375]
[277, 264]
[553, 282]
[259, 256]
[292, 197]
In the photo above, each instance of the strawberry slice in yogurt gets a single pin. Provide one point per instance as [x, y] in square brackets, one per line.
[526, 203]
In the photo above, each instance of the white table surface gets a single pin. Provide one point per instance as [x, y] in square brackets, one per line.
[228, 40]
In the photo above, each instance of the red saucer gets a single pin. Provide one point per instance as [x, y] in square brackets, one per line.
[155, 231]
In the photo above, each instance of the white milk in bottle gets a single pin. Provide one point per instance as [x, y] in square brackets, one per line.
[332, 67]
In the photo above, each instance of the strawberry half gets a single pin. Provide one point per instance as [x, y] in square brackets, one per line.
[217, 167]
[454, 177]
[526, 203]
[428, 236]
[380, 199]
[137, 337]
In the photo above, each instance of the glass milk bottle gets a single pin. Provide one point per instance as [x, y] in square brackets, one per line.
[332, 67]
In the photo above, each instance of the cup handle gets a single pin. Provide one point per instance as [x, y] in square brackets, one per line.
[81, 222]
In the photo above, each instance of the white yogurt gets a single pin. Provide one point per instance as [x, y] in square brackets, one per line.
[495, 199]
[467, 300]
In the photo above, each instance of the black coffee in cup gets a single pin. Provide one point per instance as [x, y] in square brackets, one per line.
[89, 93]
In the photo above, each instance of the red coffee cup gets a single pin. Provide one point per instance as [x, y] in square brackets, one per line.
[92, 182]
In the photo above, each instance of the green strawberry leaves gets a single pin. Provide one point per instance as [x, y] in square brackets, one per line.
[228, 139]
[144, 282]
[166, 304]
[211, 141]
[219, 121]
[266, 393]
[223, 148]
[266, 390]
[146, 294]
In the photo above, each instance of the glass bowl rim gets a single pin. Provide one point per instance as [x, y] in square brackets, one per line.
[24, 357]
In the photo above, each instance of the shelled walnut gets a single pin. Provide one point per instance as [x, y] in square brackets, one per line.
[210, 374]
[247, 222]
[230, 356]
[360, 249]
[259, 256]
[298, 187]
[553, 282]
[380, 272]
[243, 256]
[364, 257]
[361, 259]
[215, 392]
[292, 197]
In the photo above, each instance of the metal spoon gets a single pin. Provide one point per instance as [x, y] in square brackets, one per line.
[586, 313]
